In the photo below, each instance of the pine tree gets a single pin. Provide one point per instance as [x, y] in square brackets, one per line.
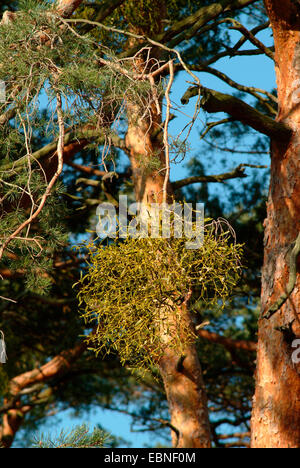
[118, 78]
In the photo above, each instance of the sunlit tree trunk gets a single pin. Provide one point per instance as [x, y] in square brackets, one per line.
[181, 374]
[185, 390]
[276, 409]
[182, 377]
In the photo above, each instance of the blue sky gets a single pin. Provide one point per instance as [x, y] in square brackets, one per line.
[253, 71]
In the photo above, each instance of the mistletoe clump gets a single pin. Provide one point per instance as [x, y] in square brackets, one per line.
[132, 286]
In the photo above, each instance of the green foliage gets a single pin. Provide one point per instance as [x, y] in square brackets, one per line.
[34, 254]
[79, 437]
[42, 57]
[133, 286]
[39, 54]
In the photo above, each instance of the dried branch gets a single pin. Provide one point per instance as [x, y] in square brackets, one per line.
[254, 31]
[140, 38]
[7, 299]
[255, 92]
[236, 151]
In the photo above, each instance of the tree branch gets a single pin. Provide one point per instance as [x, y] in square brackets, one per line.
[202, 17]
[104, 11]
[66, 8]
[230, 52]
[56, 366]
[254, 31]
[213, 101]
[212, 125]
[80, 137]
[228, 343]
[238, 172]
[248, 35]
[7, 116]
[255, 92]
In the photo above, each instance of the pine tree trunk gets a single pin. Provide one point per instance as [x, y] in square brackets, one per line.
[185, 390]
[276, 406]
[182, 375]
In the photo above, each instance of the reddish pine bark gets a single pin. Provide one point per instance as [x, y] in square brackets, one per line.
[13, 418]
[185, 390]
[66, 7]
[276, 406]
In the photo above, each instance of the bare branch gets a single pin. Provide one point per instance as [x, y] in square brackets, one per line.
[212, 125]
[237, 151]
[248, 35]
[254, 31]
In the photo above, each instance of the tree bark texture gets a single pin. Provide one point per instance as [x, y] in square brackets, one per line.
[276, 405]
